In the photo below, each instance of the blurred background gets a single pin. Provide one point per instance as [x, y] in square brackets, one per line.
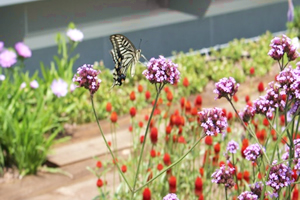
[158, 27]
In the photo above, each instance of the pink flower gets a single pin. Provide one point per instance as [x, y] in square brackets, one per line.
[59, 87]
[1, 45]
[34, 84]
[8, 58]
[23, 50]
[75, 35]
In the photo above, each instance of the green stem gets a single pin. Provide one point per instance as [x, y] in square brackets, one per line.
[226, 193]
[173, 164]
[111, 153]
[144, 142]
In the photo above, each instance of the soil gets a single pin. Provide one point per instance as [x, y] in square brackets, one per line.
[72, 157]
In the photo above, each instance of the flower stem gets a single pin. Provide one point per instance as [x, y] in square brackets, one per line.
[144, 142]
[110, 151]
[173, 164]
[226, 193]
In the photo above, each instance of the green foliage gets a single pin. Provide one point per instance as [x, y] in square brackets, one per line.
[294, 26]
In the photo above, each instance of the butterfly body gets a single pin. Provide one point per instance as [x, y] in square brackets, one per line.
[124, 55]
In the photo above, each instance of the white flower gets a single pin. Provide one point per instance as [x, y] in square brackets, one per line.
[34, 84]
[59, 88]
[75, 35]
[2, 77]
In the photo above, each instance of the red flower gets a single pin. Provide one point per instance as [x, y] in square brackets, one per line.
[114, 117]
[168, 129]
[221, 163]
[146, 194]
[198, 186]
[266, 122]
[208, 140]
[99, 164]
[217, 148]
[245, 142]
[167, 89]
[124, 168]
[295, 194]
[224, 112]
[170, 96]
[198, 101]
[130, 128]
[132, 111]
[108, 107]
[152, 153]
[142, 139]
[182, 102]
[235, 98]
[246, 176]
[177, 120]
[194, 111]
[147, 95]
[239, 176]
[252, 71]
[172, 184]
[115, 161]
[153, 135]
[146, 117]
[229, 116]
[282, 120]
[99, 183]
[188, 107]
[181, 140]
[260, 87]
[140, 88]
[247, 98]
[228, 129]
[132, 96]
[109, 143]
[167, 159]
[201, 197]
[160, 167]
[185, 82]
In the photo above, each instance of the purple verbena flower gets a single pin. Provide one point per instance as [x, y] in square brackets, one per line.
[257, 188]
[252, 152]
[286, 79]
[280, 176]
[7, 58]
[226, 87]
[23, 50]
[232, 146]
[75, 35]
[1, 45]
[59, 88]
[171, 196]
[34, 84]
[290, 13]
[224, 176]
[296, 158]
[247, 196]
[294, 108]
[247, 114]
[87, 77]
[280, 46]
[162, 70]
[212, 121]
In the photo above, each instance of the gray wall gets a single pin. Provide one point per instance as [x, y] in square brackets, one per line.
[200, 31]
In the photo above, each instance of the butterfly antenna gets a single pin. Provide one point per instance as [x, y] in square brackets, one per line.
[140, 43]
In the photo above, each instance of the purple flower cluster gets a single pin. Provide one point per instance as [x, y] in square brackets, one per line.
[23, 50]
[59, 88]
[286, 80]
[232, 146]
[247, 114]
[282, 45]
[226, 87]
[268, 104]
[87, 77]
[252, 152]
[75, 35]
[162, 70]
[257, 188]
[7, 58]
[247, 196]
[213, 121]
[224, 176]
[171, 196]
[280, 176]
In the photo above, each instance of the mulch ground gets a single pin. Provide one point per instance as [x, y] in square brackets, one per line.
[75, 155]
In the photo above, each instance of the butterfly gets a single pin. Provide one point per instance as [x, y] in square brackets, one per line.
[124, 55]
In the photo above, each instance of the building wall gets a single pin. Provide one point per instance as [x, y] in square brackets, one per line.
[163, 26]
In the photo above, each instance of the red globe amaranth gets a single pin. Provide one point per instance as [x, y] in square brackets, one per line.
[217, 148]
[185, 82]
[252, 71]
[247, 98]
[114, 117]
[142, 139]
[152, 153]
[160, 167]
[130, 128]
[132, 111]
[188, 107]
[246, 176]
[198, 101]
[239, 176]
[182, 102]
[140, 88]
[295, 195]
[201, 171]
[147, 95]
[168, 129]
[229, 116]
[141, 124]
[201, 197]
[99, 182]
[99, 164]
[170, 96]
[235, 98]
[153, 135]
[266, 122]
[198, 186]
[208, 140]
[194, 111]
[146, 194]
[228, 129]
[132, 96]
[166, 89]
[260, 87]
[108, 107]
[172, 184]
[181, 140]
[167, 159]
[124, 168]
